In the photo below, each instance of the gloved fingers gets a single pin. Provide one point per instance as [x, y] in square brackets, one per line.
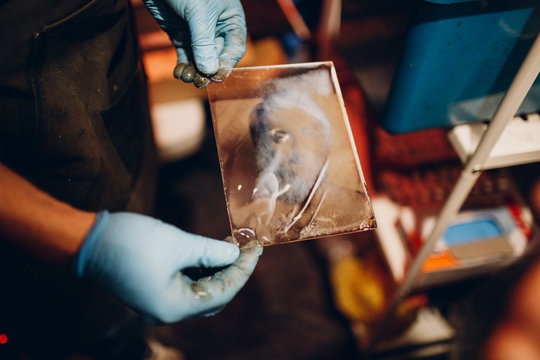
[181, 63]
[245, 263]
[200, 81]
[188, 73]
[220, 44]
[206, 58]
[224, 69]
[206, 252]
[202, 26]
[224, 65]
[186, 70]
[185, 298]
[234, 48]
[209, 295]
[223, 73]
[223, 285]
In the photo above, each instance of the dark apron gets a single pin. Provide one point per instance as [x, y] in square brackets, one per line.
[75, 122]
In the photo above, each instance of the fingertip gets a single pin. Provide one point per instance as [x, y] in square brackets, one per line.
[206, 59]
[249, 257]
[219, 253]
[179, 70]
[200, 81]
[233, 251]
[232, 240]
[221, 75]
[208, 67]
[253, 248]
[188, 73]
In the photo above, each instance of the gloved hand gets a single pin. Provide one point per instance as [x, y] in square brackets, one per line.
[209, 36]
[140, 260]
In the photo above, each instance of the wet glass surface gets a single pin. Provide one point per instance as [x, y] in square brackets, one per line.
[289, 166]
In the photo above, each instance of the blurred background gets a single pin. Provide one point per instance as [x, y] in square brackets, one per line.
[327, 298]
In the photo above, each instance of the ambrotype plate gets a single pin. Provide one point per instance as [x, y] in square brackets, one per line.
[288, 160]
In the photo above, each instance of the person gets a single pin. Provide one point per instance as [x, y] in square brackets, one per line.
[79, 250]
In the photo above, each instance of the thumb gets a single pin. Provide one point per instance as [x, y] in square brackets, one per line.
[206, 252]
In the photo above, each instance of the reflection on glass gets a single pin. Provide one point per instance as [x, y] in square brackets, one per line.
[290, 170]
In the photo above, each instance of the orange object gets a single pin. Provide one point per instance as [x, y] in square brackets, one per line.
[441, 261]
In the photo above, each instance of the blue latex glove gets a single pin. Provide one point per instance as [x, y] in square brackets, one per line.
[140, 260]
[209, 34]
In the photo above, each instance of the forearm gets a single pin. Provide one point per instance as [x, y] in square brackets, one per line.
[34, 221]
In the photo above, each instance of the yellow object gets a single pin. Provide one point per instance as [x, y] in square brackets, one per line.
[358, 292]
